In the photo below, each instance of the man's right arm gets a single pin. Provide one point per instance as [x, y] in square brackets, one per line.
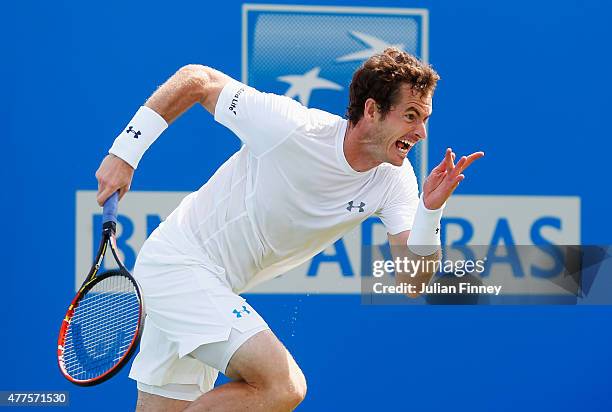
[189, 85]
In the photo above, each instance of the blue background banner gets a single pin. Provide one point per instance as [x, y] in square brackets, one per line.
[527, 82]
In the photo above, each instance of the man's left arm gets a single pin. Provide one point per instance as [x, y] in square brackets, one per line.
[421, 244]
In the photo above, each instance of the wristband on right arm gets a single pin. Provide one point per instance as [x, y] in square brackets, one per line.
[144, 128]
[424, 239]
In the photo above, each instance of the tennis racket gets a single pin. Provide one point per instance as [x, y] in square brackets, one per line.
[104, 321]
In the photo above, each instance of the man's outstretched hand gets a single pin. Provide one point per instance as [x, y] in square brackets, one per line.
[113, 174]
[444, 178]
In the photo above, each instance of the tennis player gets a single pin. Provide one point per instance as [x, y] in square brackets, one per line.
[302, 179]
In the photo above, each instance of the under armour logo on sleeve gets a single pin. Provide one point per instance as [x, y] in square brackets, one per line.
[239, 313]
[437, 230]
[136, 132]
[351, 207]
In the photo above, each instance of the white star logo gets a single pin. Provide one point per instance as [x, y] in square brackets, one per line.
[303, 85]
[376, 45]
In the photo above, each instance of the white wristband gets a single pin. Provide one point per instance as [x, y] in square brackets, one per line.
[140, 133]
[424, 239]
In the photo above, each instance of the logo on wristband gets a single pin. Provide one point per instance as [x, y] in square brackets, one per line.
[136, 132]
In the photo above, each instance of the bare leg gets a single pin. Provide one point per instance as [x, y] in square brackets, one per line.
[266, 379]
[148, 402]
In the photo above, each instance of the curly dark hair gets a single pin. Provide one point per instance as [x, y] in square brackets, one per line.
[380, 78]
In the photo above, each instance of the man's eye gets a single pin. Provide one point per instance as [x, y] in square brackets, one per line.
[411, 116]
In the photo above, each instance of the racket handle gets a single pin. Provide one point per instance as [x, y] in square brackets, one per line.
[109, 210]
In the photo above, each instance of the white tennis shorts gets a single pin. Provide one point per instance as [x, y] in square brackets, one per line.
[194, 322]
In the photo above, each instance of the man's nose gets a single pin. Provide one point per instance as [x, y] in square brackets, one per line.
[421, 131]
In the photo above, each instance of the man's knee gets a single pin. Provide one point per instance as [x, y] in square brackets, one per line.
[265, 364]
[289, 392]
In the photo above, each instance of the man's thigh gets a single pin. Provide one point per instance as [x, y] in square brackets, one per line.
[262, 360]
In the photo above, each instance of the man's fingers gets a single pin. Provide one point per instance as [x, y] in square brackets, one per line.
[449, 157]
[456, 182]
[460, 165]
[123, 191]
[448, 175]
[108, 191]
[103, 195]
[466, 161]
[113, 175]
[471, 158]
[437, 179]
[442, 165]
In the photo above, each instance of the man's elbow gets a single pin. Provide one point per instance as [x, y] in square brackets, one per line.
[195, 79]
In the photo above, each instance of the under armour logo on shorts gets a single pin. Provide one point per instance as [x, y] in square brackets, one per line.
[136, 132]
[239, 313]
[351, 207]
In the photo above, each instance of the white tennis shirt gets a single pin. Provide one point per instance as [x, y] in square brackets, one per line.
[286, 195]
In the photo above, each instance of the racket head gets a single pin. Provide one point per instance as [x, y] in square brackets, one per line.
[101, 329]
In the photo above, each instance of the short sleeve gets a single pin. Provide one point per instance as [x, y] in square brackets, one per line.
[399, 209]
[260, 120]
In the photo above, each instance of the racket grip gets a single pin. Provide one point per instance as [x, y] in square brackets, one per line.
[109, 210]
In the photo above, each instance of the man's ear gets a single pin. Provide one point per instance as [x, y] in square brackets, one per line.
[370, 109]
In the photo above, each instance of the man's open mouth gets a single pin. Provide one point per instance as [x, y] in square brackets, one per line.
[403, 145]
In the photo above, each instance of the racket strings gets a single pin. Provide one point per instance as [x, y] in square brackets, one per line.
[102, 328]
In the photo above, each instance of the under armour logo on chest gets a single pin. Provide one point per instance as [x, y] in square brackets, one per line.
[351, 206]
[136, 132]
[239, 313]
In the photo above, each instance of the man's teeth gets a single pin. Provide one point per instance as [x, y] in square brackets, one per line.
[405, 144]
